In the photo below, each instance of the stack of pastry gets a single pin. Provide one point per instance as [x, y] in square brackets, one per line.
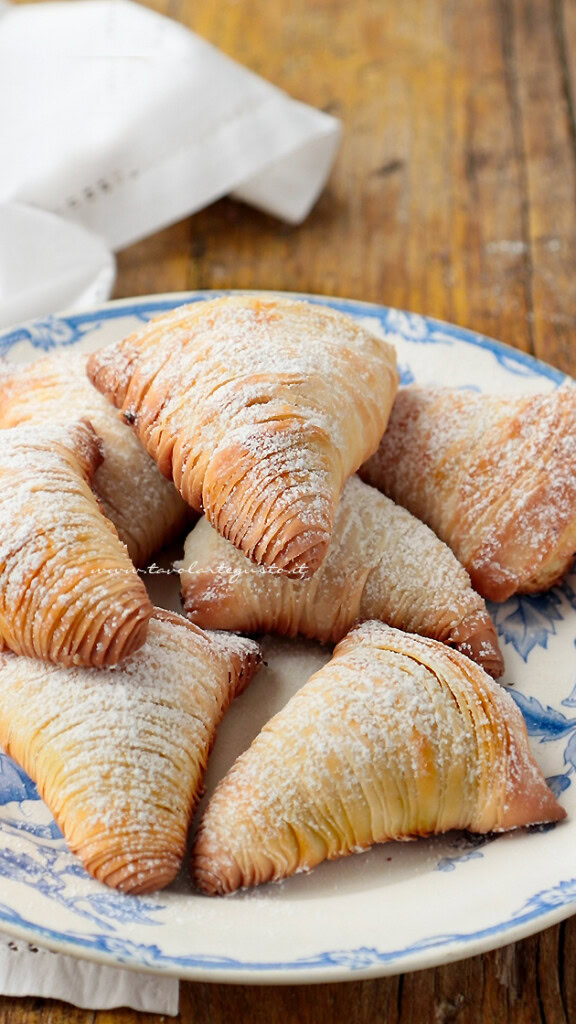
[258, 413]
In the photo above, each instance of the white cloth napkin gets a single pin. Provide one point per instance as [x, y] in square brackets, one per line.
[115, 122]
[29, 970]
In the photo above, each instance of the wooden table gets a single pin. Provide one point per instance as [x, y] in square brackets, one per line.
[453, 195]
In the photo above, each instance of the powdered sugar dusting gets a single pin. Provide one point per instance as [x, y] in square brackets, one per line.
[143, 505]
[259, 408]
[119, 753]
[397, 736]
[495, 477]
[382, 563]
[68, 591]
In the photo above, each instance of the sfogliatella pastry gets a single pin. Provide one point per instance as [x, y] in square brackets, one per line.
[68, 591]
[259, 409]
[494, 476]
[397, 737]
[119, 754]
[145, 508]
[382, 563]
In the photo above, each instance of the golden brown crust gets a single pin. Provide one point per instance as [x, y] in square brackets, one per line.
[259, 410]
[397, 736]
[494, 476]
[146, 510]
[382, 564]
[68, 591]
[242, 656]
[475, 636]
[119, 754]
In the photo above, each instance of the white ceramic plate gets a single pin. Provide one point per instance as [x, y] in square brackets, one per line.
[398, 907]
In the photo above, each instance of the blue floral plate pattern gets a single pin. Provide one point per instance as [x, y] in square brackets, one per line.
[398, 907]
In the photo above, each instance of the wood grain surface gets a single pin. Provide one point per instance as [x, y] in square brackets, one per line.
[453, 195]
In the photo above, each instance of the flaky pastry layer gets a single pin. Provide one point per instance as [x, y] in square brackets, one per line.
[494, 476]
[259, 410]
[145, 508]
[382, 563]
[397, 736]
[68, 590]
[119, 754]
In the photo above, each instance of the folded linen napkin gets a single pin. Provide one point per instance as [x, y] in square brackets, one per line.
[28, 970]
[116, 122]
